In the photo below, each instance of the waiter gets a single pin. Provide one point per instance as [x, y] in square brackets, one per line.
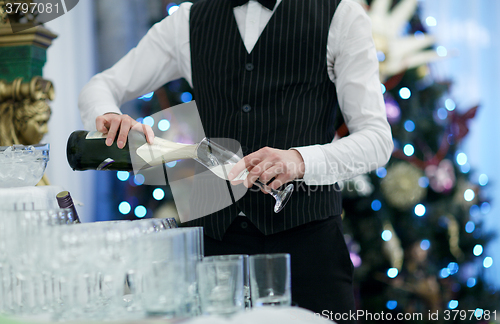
[269, 74]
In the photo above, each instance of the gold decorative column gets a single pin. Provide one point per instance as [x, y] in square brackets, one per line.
[24, 111]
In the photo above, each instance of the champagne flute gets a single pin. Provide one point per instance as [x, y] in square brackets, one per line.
[220, 161]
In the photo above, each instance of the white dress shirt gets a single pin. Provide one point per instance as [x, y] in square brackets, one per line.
[164, 55]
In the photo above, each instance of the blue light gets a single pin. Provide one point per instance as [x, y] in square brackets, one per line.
[470, 227]
[471, 282]
[139, 179]
[465, 168]
[158, 194]
[163, 125]
[391, 304]
[419, 34]
[452, 268]
[420, 210]
[122, 175]
[453, 304]
[386, 235]
[423, 182]
[461, 158]
[381, 172]
[485, 207]
[139, 120]
[147, 96]
[425, 245]
[171, 164]
[376, 205]
[384, 89]
[148, 121]
[442, 51]
[409, 126]
[444, 273]
[450, 104]
[405, 93]
[442, 113]
[479, 312]
[487, 262]
[186, 97]
[392, 273]
[408, 150]
[478, 250]
[124, 207]
[474, 210]
[140, 211]
[380, 56]
[483, 180]
[431, 21]
[469, 195]
[171, 8]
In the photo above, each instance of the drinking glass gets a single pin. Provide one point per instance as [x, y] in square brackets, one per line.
[220, 161]
[162, 268]
[246, 272]
[270, 280]
[221, 286]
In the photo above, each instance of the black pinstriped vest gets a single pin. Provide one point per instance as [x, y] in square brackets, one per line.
[279, 96]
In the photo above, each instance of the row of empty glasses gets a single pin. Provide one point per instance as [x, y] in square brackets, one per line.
[54, 268]
[51, 267]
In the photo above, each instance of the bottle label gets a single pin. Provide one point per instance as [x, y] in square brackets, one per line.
[95, 135]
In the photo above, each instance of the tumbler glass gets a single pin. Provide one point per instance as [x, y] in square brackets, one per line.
[221, 286]
[270, 280]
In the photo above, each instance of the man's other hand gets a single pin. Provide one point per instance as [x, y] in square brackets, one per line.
[268, 163]
[110, 124]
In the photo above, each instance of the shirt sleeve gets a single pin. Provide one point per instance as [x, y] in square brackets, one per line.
[161, 56]
[353, 67]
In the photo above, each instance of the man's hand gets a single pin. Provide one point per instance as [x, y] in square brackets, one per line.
[268, 163]
[111, 123]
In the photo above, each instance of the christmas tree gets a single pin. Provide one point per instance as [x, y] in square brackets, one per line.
[414, 226]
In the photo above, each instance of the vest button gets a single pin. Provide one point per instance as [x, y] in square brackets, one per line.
[244, 149]
[246, 108]
[249, 67]
[244, 225]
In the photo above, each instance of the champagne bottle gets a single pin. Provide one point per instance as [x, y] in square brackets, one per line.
[88, 151]
[64, 200]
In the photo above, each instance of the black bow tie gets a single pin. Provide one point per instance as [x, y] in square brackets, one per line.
[269, 4]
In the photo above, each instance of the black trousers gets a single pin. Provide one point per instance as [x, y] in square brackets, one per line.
[320, 264]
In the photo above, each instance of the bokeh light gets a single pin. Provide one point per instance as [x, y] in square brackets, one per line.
[122, 175]
[425, 245]
[404, 93]
[392, 273]
[376, 205]
[140, 211]
[431, 21]
[158, 194]
[386, 235]
[469, 195]
[419, 210]
[408, 150]
[124, 207]
[487, 262]
[164, 125]
[478, 250]
[453, 304]
[148, 121]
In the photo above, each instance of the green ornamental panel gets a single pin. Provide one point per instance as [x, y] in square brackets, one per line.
[24, 61]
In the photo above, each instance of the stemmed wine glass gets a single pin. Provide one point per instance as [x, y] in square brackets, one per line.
[220, 161]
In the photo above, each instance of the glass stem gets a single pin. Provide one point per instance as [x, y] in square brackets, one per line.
[264, 187]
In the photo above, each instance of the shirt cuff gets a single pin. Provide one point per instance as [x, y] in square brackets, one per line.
[316, 166]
